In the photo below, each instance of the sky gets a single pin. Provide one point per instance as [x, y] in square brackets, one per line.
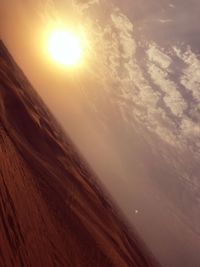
[132, 109]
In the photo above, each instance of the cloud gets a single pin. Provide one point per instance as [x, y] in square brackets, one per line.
[85, 4]
[164, 21]
[190, 78]
[141, 89]
[172, 96]
[159, 57]
[124, 81]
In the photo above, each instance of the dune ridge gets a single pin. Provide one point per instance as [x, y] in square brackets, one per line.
[52, 210]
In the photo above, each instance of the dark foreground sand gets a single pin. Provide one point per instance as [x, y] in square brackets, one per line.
[52, 213]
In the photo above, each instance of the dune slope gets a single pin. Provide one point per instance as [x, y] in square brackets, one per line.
[52, 213]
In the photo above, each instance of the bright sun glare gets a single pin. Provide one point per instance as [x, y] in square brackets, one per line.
[65, 48]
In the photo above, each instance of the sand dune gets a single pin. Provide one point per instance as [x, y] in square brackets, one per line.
[52, 211]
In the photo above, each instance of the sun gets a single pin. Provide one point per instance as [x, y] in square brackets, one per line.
[65, 48]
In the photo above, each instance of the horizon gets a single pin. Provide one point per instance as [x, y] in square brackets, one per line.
[132, 108]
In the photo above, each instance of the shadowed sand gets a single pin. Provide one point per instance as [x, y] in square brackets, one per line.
[52, 212]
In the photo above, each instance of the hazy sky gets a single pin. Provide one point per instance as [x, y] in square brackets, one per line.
[132, 110]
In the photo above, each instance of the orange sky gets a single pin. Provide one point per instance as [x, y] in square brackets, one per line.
[128, 110]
